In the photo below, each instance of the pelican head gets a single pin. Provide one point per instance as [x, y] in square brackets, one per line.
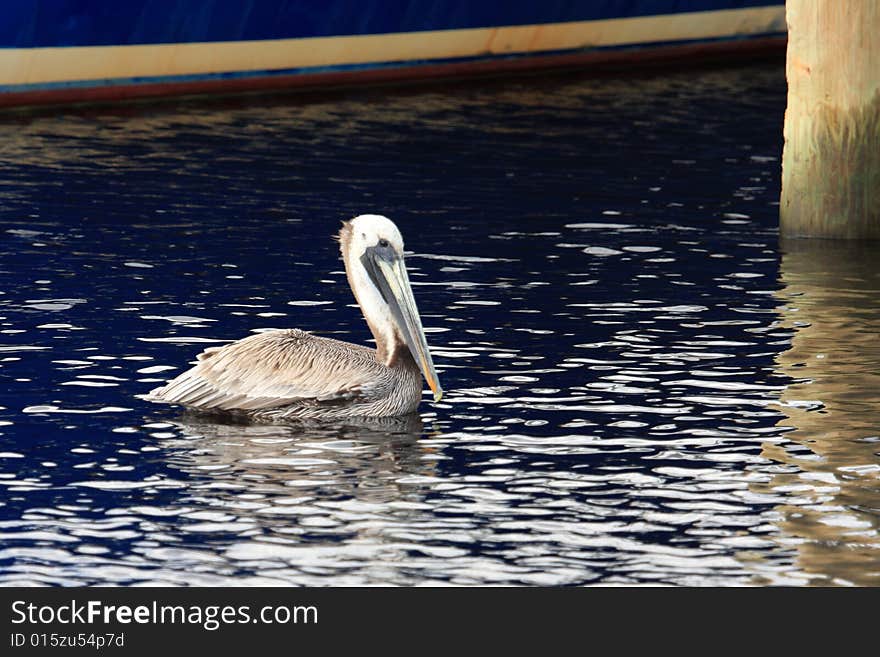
[372, 248]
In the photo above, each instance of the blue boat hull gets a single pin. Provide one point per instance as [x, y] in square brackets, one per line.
[80, 50]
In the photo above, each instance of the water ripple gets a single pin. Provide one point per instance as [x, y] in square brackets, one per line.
[642, 388]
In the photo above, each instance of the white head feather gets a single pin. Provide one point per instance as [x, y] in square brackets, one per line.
[364, 231]
[368, 229]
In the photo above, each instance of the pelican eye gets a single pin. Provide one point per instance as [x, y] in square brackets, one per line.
[383, 243]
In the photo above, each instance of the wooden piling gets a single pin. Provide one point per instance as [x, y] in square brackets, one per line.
[831, 161]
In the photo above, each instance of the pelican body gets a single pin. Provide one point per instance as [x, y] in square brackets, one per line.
[289, 374]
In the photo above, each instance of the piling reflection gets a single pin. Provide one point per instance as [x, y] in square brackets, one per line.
[831, 302]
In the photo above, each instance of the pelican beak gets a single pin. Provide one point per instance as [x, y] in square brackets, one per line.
[388, 273]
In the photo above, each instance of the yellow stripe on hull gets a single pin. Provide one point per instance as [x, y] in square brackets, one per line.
[23, 66]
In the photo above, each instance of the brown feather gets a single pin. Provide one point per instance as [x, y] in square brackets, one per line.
[291, 373]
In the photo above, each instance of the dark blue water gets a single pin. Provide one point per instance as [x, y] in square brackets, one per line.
[643, 387]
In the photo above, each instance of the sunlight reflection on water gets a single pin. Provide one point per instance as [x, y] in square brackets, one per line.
[632, 396]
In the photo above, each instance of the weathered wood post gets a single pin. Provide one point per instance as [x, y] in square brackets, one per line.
[831, 161]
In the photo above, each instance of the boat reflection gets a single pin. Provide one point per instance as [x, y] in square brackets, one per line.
[831, 302]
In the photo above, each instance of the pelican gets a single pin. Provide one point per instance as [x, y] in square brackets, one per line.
[291, 374]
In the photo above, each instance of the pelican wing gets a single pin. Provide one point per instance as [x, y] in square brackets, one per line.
[275, 369]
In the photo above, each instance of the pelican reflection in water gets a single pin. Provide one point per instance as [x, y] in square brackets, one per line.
[290, 374]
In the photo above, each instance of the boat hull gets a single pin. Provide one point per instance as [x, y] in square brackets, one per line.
[54, 51]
